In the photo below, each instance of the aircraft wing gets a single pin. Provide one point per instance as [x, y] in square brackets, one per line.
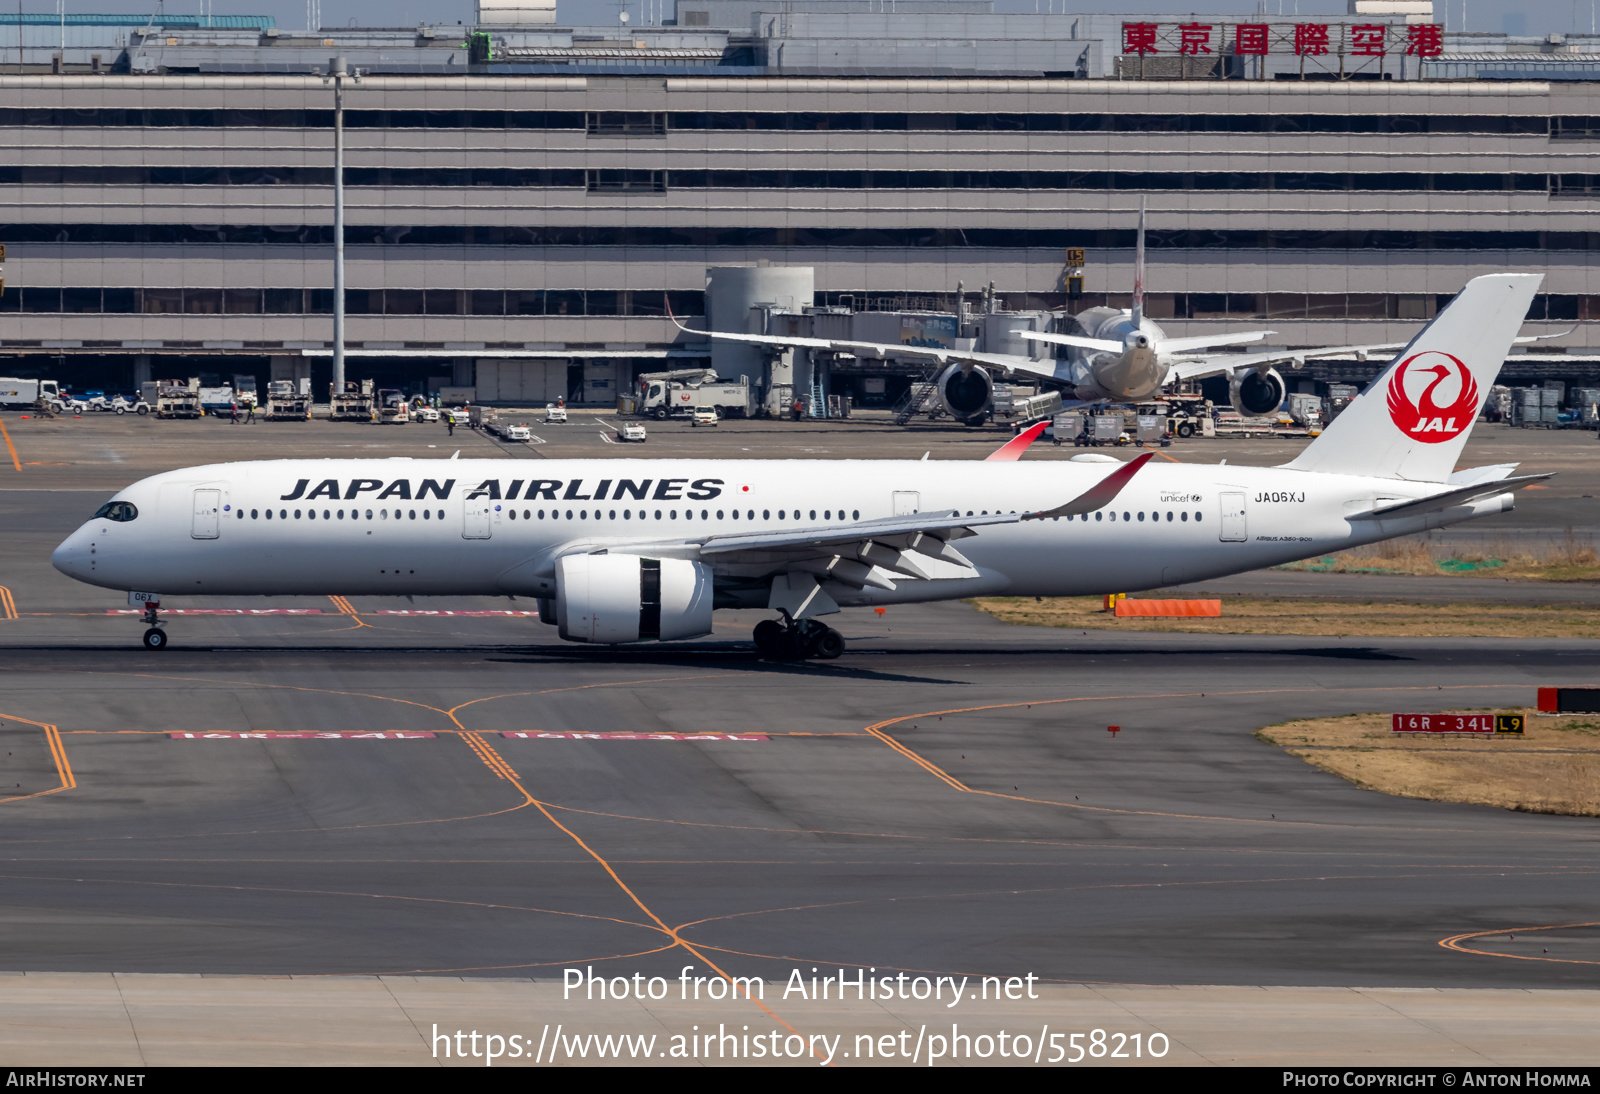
[1227, 364]
[1224, 364]
[875, 552]
[1003, 361]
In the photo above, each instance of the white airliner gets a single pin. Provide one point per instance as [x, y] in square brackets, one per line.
[1115, 355]
[634, 550]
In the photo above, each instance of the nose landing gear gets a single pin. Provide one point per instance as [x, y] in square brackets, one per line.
[155, 638]
[798, 641]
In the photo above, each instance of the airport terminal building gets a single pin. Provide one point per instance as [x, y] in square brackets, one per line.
[522, 213]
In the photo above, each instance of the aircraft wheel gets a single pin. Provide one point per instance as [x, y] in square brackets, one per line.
[768, 634]
[828, 644]
[155, 639]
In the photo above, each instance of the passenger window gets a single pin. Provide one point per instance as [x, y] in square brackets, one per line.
[613, 514]
[673, 513]
[719, 514]
[1186, 516]
[1097, 516]
[1141, 516]
[384, 513]
[369, 514]
[297, 514]
[1197, 518]
[269, 514]
[341, 514]
[705, 514]
[827, 514]
[735, 514]
[751, 514]
[1125, 515]
[766, 514]
[541, 514]
[658, 514]
[253, 515]
[1169, 516]
[241, 514]
[813, 515]
[855, 514]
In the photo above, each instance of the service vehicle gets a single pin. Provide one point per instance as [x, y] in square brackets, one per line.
[425, 413]
[288, 401]
[683, 392]
[121, 404]
[631, 431]
[174, 398]
[393, 407]
[634, 550]
[705, 415]
[27, 393]
[356, 403]
[554, 414]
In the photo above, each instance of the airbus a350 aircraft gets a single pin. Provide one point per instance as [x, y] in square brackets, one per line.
[636, 550]
[1115, 355]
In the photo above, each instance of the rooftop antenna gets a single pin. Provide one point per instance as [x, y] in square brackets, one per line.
[1138, 271]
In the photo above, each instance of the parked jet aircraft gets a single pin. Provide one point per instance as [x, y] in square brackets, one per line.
[636, 550]
[1116, 355]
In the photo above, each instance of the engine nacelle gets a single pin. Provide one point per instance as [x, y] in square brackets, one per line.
[625, 598]
[965, 394]
[1257, 392]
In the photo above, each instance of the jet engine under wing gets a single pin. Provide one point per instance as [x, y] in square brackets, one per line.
[1443, 500]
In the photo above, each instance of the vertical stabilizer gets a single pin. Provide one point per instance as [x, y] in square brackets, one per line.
[1413, 420]
[1138, 271]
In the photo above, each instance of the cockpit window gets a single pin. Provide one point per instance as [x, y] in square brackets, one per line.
[121, 511]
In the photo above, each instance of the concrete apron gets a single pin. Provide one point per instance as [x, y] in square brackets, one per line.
[132, 1020]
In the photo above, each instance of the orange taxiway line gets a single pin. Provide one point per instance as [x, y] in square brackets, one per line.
[1455, 940]
[876, 729]
[8, 605]
[11, 448]
[479, 743]
[58, 753]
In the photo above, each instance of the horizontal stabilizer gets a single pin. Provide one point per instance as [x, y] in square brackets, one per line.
[1444, 500]
[1099, 495]
[1097, 345]
[1206, 341]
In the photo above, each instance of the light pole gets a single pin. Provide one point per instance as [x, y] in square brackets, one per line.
[337, 71]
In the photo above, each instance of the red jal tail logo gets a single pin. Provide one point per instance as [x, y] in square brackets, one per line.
[1425, 419]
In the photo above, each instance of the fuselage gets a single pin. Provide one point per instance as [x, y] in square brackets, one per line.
[1132, 375]
[495, 527]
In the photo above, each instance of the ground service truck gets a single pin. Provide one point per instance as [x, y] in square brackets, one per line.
[28, 393]
[680, 393]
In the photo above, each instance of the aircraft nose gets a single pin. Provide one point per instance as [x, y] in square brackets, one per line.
[72, 556]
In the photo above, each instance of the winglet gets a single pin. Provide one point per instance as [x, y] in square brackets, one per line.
[1016, 446]
[1099, 495]
[667, 303]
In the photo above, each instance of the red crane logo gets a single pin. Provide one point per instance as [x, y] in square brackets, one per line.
[1425, 419]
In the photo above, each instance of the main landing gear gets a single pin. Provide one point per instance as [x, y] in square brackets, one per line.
[155, 638]
[798, 641]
